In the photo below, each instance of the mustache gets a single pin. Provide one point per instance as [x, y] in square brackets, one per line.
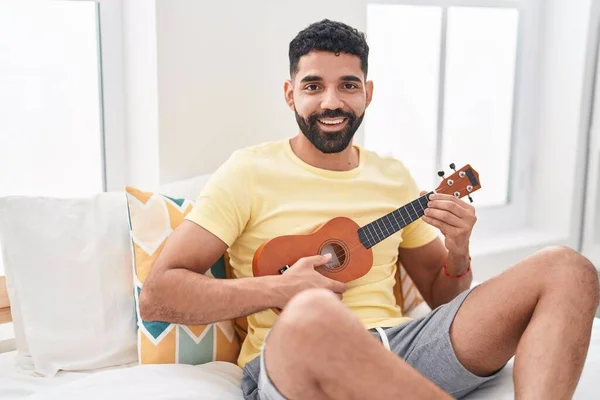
[332, 114]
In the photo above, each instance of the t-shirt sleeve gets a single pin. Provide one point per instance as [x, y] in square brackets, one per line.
[224, 204]
[419, 232]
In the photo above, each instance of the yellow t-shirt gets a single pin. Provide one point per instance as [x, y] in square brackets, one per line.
[266, 191]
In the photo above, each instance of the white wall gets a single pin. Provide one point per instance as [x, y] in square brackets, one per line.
[563, 59]
[220, 73]
[141, 93]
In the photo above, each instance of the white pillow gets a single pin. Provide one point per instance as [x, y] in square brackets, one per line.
[68, 262]
[185, 188]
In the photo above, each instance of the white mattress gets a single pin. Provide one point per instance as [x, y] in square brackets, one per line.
[217, 380]
[16, 384]
[213, 381]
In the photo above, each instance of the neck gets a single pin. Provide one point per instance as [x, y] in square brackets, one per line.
[381, 228]
[343, 161]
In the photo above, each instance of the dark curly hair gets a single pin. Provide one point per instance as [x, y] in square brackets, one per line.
[331, 36]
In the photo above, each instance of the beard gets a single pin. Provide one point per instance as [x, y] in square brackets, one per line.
[329, 142]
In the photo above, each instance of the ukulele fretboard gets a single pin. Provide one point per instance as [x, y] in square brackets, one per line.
[383, 227]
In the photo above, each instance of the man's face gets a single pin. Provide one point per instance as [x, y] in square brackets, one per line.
[329, 96]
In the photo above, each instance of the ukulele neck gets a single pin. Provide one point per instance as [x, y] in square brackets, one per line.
[384, 227]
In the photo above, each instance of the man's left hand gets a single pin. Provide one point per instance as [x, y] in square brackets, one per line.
[454, 218]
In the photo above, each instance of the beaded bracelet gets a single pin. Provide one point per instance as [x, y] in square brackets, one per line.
[459, 276]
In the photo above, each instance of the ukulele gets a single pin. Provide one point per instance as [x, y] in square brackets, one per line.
[350, 244]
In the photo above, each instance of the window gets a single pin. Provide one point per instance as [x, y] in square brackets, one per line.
[50, 133]
[480, 71]
[52, 136]
[51, 130]
[446, 77]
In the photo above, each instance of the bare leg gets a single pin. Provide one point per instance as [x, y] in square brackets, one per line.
[541, 309]
[319, 350]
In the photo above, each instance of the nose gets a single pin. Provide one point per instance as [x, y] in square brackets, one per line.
[331, 100]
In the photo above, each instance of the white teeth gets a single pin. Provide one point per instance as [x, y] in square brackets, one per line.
[334, 122]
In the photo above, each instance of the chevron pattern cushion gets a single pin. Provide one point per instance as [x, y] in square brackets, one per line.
[152, 218]
[410, 296]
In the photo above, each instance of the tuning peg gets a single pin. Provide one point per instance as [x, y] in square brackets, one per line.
[441, 174]
[470, 198]
[453, 167]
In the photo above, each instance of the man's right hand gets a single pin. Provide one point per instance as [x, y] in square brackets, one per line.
[302, 276]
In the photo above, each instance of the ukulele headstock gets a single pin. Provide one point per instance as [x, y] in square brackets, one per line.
[461, 183]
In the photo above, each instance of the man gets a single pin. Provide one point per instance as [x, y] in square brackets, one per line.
[346, 341]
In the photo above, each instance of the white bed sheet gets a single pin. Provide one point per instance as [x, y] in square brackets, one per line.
[215, 381]
[15, 384]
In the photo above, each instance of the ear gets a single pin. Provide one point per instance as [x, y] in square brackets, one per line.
[369, 92]
[288, 91]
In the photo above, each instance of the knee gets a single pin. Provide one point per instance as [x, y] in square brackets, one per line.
[310, 305]
[575, 272]
[309, 310]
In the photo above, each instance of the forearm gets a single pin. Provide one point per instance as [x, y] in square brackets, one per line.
[185, 297]
[444, 288]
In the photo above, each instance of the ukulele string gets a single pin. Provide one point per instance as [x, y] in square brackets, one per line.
[342, 253]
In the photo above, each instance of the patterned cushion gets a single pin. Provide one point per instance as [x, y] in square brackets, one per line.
[407, 295]
[410, 297]
[152, 218]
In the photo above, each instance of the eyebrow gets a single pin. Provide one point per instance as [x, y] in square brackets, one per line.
[351, 78]
[316, 78]
[311, 78]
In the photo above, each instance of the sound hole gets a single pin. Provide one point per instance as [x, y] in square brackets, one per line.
[338, 255]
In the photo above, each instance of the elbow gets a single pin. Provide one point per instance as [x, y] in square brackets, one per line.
[148, 303]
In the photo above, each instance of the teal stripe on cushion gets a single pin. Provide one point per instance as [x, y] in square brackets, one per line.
[218, 268]
[179, 202]
[155, 328]
[131, 242]
[128, 211]
[192, 353]
[138, 290]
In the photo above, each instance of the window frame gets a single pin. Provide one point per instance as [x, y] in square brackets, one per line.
[590, 207]
[109, 19]
[456, 3]
[513, 214]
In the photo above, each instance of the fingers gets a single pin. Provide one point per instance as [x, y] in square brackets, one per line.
[443, 216]
[445, 228]
[451, 211]
[337, 287]
[447, 197]
[318, 260]
[314, 261]
[449, 206]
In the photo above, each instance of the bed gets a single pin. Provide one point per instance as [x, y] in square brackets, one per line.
[216, 380]
[71, 301]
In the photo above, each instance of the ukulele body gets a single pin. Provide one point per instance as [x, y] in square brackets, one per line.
[339, 236]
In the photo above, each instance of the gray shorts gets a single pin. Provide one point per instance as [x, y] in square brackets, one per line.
[423, 343]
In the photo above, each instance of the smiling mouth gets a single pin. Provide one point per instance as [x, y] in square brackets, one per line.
[332, 121]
